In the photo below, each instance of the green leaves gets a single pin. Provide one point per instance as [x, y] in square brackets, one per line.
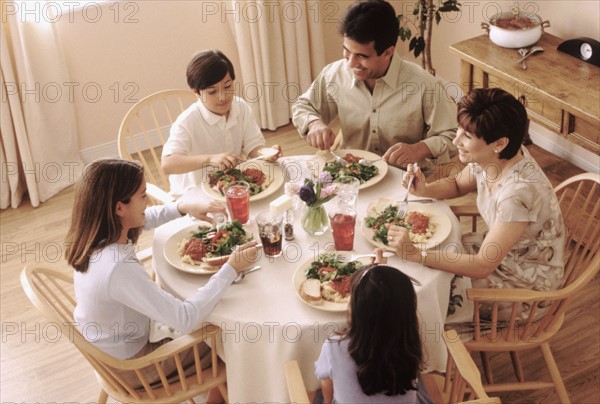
[420, 14]
[417, 45]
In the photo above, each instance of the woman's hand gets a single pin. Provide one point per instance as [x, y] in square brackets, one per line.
[244, 255]
[201, 210]
[379, 258]
[225, 160]
[399, 240]
[419, 183]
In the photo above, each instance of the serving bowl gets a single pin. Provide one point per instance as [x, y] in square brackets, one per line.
[511, 30]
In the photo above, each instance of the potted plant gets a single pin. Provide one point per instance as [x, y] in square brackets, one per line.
[424, 13]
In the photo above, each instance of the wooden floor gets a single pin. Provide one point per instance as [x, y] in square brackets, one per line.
[39, 365]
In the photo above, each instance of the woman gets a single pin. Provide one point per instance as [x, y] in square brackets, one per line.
[524, 244]
[215, 131]
[377, 359]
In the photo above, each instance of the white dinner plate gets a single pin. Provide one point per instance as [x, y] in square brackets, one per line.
[381, 165]
[173, 258]
[272, 171]
[443, 226]
[299, 277]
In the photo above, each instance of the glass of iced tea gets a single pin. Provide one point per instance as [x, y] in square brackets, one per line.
[343, 221]
[237, 196]
[270, 231]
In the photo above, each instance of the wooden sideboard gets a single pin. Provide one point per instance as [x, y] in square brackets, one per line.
[561, 92]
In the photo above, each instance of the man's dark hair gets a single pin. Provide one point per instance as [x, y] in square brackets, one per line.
[371, 20]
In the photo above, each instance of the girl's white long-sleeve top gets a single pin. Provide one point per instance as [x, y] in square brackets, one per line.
[116, 298]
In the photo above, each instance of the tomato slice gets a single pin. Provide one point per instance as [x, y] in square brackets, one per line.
[221, 235]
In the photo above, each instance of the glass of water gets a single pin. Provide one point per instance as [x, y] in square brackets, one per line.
[347, 193]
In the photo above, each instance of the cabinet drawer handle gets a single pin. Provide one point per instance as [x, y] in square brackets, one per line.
[523, 100]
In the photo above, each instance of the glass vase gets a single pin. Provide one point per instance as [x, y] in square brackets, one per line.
[314, 220]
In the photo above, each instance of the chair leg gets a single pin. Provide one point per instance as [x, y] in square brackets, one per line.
[103, 397]
[555, 374]
[516, 361]
[487, 368]
[223, 390]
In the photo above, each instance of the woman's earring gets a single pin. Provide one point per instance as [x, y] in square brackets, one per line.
[496, 151]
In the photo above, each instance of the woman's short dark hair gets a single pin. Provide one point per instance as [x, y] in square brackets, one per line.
[491, 114]
[371, 20]
[207, 68]
[383, 333]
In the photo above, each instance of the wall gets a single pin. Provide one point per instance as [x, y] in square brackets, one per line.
[132, 50]
[138, 47]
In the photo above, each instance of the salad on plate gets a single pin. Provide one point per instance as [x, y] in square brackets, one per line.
[351, 168]
[255, 177]
[212, 245]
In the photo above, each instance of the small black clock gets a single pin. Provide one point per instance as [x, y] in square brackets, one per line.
[586, 49]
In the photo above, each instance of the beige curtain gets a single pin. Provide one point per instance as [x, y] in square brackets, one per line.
[281, 50]
[39, 152]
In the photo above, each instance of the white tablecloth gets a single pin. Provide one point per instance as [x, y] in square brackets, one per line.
[265, 323]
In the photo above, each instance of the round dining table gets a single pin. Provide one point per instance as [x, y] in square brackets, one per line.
[264, 321]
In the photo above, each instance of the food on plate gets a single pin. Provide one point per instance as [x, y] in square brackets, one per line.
[193, 250]
[333, 276]
[515, 23]
[208, 242]
[419, 224]
[310, 291]
[256, 178]
[351, 168]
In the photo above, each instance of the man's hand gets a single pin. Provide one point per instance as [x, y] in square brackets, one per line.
[320, 135]
[401, 154]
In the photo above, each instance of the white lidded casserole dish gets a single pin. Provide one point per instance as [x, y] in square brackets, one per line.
[511, 30]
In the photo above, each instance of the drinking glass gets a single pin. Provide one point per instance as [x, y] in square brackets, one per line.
[347, 194]
[343, 221]
[237, 196]
[270, 229]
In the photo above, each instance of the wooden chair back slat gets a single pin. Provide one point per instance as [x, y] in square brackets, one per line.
[145, 129]
[462, 377]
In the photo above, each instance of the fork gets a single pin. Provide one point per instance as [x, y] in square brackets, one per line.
[338, 159]
[403, 205]
[386, 254]
[243, 274]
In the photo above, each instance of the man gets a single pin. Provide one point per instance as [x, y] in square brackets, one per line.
[385, 104]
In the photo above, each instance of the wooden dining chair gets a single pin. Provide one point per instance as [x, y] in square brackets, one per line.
[579, 199]
[295, 383]
[51, 292]
[463, 369]
[143, 132]
[462, 376]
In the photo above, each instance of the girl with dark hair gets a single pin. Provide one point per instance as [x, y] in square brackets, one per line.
[116, 298]
[218, 130]
[377, 359]
[524, 245]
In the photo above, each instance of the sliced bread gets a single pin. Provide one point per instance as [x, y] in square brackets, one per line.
[310, 291]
